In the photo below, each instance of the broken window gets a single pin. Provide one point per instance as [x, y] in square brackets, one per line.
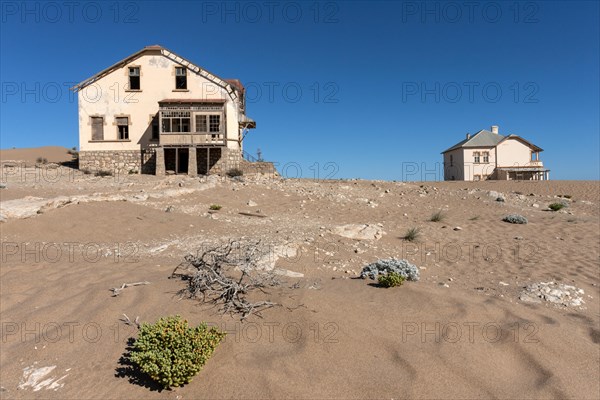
[123, 127]
[176, 121]
[97, 128]
[180, 78]
[214, 123]
[134, 78]
[201, 125]
[476, 177]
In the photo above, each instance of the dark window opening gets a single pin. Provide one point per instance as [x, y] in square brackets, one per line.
[180, 78]
[134, 78]
[123, 126]
[214, 123]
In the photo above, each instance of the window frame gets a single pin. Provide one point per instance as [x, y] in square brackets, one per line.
[103, 122]
[486, 157]
[477, 157]
[125, 137]
[130, 76]
[170, 118]
[180, 76]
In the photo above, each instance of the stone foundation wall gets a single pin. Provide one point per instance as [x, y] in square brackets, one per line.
[115, 161]
[258, 167]
[229, 159]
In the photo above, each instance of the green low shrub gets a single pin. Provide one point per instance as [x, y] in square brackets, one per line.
[437, 216]
[171, 352]
[412, 234]
[215, 207]
[556, 206]
[392, 279]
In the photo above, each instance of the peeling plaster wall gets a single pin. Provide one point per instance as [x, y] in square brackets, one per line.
[108, 97]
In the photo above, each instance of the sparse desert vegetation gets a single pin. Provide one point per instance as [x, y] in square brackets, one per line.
[289, 283]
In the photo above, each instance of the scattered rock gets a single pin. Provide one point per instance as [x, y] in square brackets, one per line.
[288, 273]
[251, 203]
[2, 186]
[557, 293]
[503, 283]
[518, 237]
[457, 228]
[169, 209]
[359, 231]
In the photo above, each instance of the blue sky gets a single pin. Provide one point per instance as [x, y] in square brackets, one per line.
[338, 89]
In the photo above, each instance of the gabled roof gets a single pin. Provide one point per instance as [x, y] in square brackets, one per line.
[192, 101]
[485, 138]
[525, 142]
[482, 138]
[230, 86]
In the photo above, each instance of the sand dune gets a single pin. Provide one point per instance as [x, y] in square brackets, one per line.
[54, 154]
[460, 332]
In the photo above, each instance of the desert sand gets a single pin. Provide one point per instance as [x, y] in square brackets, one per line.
[461, 331]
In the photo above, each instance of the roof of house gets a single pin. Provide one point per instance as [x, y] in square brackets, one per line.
[485, 138]
[193, 101]
[482, 138]
[230, 84]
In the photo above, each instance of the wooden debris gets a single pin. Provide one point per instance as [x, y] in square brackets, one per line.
[117, 291]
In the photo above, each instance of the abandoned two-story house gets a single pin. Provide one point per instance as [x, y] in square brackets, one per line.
[489, 155]
[156, 112]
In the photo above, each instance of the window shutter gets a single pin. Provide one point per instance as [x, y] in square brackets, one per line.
[97, 128]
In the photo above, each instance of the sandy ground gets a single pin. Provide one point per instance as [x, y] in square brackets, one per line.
[29, 156]
[459, 332]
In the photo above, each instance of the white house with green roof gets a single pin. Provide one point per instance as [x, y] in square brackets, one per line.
[490, 155]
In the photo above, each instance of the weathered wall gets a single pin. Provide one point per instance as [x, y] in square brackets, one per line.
[109, 97]
[513, 153]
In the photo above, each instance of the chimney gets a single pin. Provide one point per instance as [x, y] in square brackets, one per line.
[468, 135]
[495, 129]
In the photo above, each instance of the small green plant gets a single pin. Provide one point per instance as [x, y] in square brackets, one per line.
[391, 279]
[475, 218]
[233, 172]
[171, 352]
[133, 171]
[102, 173]
[556, 206]
[41, 160]
[437, 216]
[215, 207]
[412, 234]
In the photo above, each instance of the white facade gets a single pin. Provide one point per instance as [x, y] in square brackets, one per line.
[141, 92]
[489, 155]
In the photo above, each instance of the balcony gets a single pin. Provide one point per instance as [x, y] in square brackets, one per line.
[192, 139]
